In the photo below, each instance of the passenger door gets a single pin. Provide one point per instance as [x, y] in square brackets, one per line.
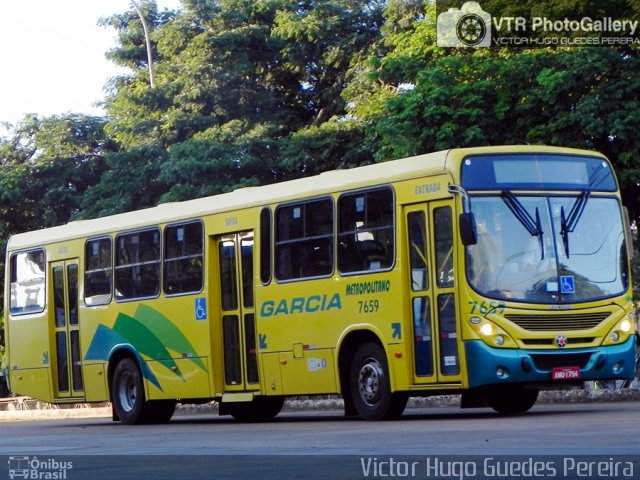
[235, 256]
[67, 363]
[431, 285]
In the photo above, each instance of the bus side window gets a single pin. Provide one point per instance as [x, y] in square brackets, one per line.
[27, 282]
[98, 272]
[183, 258]
[138, 265]
[366, 231]
[265, 246]
[304, 240]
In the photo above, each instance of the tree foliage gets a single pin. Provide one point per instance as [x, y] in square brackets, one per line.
[253, 92]
[417, 98]
[46, 167]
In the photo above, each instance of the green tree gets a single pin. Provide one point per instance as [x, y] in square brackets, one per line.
[264, 70]
[417, 98]
[46, 166]
[131, 182]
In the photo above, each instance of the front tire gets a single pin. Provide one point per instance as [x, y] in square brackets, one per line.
[370, 386]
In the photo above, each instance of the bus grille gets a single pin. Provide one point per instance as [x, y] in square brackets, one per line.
[546, 342]
[547, 362]
[567, 321]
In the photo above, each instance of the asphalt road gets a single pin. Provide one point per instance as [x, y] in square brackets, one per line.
[317, 442]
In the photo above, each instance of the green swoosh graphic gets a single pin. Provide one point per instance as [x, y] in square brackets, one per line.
[145, 340]
[167, 333]
[151, 334]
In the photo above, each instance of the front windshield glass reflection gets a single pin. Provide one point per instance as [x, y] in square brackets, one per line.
[510, 263]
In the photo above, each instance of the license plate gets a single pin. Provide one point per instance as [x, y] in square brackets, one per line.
[565, 373]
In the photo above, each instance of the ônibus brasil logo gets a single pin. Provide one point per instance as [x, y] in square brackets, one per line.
[36, 469]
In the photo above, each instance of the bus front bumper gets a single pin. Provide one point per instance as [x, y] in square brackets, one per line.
[491, 366]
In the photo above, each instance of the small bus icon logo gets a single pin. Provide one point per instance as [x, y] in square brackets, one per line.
[18, 467]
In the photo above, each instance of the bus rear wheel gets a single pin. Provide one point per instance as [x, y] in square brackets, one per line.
[129, 401]
[127, 392]
[370, 386]
[512, 400]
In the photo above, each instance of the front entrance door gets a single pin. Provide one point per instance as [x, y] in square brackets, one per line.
[430, 242]
[235, 255]
[67, 364]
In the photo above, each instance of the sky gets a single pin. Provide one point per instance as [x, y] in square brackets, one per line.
[52, 55]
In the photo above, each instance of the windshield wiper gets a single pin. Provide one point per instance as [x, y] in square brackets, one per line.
[533, 226]
[568, 224]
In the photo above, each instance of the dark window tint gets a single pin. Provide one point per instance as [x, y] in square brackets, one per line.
[418, 251]
[304, 240]
[443, 226]
[365, 232]
[137, 269]
[183, 259]
[265, 246]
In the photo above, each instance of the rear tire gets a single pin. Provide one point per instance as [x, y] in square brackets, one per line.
[370, 386]
[511, 400]
[129, 400]
[127, 392]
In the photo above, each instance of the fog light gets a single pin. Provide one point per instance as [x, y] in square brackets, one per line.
[617, 367]
[625, 325]
[486, 329]
[615, 336]
[502, 372]
[499, 340]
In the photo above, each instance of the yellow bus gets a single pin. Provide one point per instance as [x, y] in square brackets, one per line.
[490, 272]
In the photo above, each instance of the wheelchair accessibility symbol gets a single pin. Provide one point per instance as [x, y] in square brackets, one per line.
[567, 284]
[201, 308]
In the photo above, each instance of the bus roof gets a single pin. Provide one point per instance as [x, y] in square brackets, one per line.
[335, 180]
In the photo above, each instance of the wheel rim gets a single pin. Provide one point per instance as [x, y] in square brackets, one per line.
[371, 381]
[127, 392]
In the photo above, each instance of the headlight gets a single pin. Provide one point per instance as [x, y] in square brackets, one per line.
[486, 329]
[491, 333]
[619, 333]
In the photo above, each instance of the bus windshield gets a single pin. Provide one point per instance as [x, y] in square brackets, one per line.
[565, 259]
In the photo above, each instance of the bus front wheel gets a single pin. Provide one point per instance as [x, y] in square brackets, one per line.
[370, 385]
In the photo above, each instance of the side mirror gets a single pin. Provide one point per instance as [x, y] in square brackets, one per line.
[468, 230]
